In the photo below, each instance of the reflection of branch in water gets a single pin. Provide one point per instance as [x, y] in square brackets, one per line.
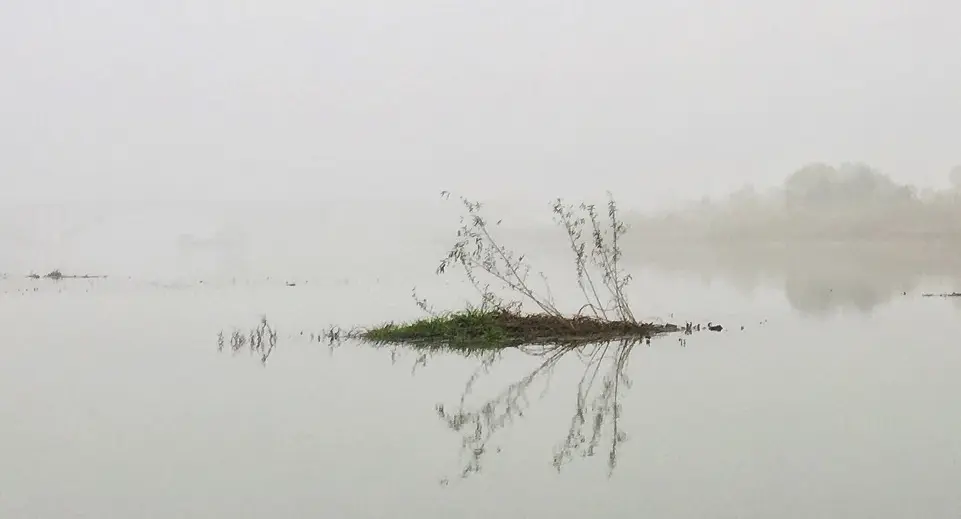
[261, 340]
[422, 352]
[478, 425]
[603, 406]
[597, 404]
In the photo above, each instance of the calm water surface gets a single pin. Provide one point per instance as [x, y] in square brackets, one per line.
[115, 402]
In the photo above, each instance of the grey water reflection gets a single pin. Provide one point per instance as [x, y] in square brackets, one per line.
[594, 422]
[817, 279]
[260, 340]
[596, 409]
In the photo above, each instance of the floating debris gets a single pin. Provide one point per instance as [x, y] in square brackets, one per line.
[57, 275]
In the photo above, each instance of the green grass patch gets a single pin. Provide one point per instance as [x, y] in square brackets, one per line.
[503, 328]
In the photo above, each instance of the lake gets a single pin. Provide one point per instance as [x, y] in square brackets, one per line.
[834, 400]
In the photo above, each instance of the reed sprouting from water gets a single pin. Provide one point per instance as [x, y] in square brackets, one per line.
[260, 340]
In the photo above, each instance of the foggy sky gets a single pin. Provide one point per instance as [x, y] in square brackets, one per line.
[291, 99]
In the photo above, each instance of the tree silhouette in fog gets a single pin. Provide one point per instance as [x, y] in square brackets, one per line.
[820, 185]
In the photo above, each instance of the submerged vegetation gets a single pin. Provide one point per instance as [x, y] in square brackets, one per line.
[259, 340]
[56, 275]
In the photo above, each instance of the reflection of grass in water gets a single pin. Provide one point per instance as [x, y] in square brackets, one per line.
[594, 426]
[597, 408]
[595, 421]
[260, 340]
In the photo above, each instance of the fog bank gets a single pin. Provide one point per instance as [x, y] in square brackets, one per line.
[851, 201]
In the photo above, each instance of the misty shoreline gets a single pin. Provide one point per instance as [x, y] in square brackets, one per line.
[852, 203]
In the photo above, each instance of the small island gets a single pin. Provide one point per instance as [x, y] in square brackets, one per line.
[499, 328]
[605, 314]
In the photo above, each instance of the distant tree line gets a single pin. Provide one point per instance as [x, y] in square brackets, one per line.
[821, 186]
[852, 200]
